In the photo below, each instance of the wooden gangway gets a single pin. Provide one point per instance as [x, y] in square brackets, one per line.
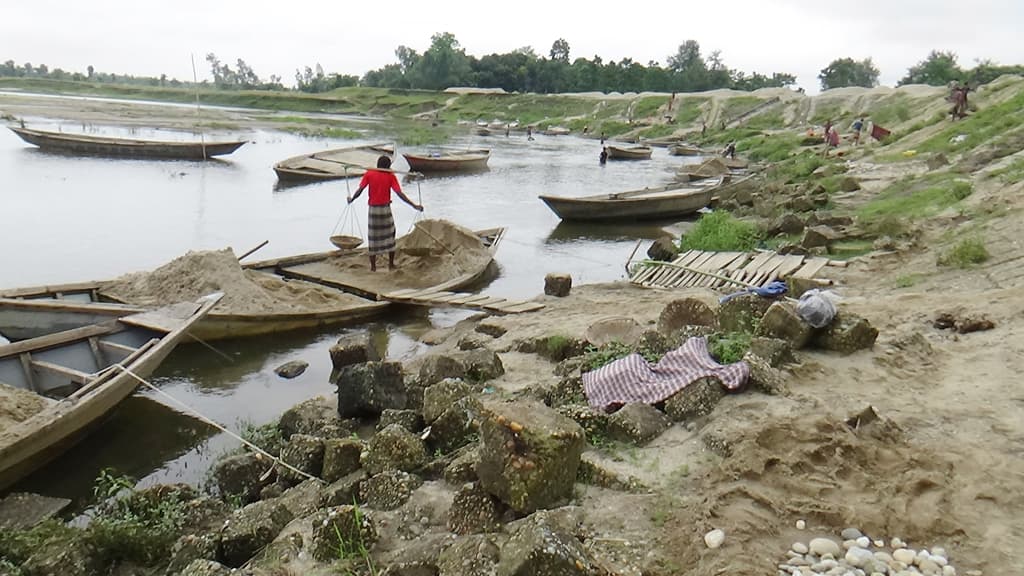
[697, 268]
[444, 298]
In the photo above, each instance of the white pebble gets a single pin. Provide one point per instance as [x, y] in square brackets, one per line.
[715, 538]
[879, 543]
[939, 551]
[905, 555]
[864, 542]
[800, 524]
[948, 570]
[858, 557]
[800, 547]
[940, 560]
[822, 546]
[851, 534]
[897, 543]
[847, 544]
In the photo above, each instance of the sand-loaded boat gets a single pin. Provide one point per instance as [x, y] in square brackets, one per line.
[334, 164]
[308, 291]
[631, 153]
[661, 202]
[712, 167]
[125, 147]
[448, 161]
[54, 387]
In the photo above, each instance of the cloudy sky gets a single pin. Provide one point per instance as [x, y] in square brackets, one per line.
[153, 37]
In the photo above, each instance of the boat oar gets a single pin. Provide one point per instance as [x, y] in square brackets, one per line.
[249, 253]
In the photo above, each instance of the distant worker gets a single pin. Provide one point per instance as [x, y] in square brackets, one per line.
[858, 125]
[730, 150]
[603, 138]
[604, 155]
[508, 128]
[703, 129]
[831, 138]
[529, 132]
[380, 224]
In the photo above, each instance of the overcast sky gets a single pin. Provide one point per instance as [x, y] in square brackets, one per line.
[153, 37]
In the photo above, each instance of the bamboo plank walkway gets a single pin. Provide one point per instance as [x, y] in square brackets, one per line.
[756, 269]
[443, 298]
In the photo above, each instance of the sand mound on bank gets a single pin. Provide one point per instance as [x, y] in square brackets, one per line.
[245, 291]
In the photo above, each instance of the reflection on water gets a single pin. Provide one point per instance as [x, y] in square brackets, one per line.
[92, 218]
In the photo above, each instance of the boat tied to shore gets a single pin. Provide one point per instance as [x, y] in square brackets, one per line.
[125, 147]
[55, 387]
[669, 201]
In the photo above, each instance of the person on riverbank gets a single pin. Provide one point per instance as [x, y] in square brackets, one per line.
[730, 150]
[858, 125]
[380, 224]
[529, 132]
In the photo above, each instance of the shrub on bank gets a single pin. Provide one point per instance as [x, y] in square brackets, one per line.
[721, 231]
[965, 253]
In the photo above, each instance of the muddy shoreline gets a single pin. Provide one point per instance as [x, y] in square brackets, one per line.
[939, 469]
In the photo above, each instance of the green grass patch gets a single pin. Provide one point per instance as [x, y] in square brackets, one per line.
[767, 120]
[981, 127]
[798, 167]
[916, 198]
[1009, 174]
[648, 106]
[850, 249]
[612, 127]
[894, 110]
[721, 231]
[729, 347]
[689, 110]
[739, 105]
[907, 280]
[769, 147]
[828, 110]
[597, 356]
[965, 253]
[658, 131]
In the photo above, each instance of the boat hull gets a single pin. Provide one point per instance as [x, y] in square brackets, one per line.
[336, 164]
[96, 146]
[663, 206]
[33, 442]
[638, 153]
[442, 163]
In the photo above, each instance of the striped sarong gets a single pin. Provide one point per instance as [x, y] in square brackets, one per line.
[380, 230]
[633, 379]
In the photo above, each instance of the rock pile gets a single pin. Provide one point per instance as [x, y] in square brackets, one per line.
[855, 553]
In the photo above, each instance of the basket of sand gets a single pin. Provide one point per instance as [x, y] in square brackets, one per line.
[345, 242]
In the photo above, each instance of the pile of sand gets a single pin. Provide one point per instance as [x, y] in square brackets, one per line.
[17, 405]
[245, 291]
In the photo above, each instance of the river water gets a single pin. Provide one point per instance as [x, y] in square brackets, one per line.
[74, 218]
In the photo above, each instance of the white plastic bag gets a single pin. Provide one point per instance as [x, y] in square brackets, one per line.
[817, 307]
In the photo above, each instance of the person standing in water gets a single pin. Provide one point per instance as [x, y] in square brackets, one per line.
[604, 155]
[380, 224]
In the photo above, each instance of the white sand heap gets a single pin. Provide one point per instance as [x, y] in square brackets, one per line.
[245, 291]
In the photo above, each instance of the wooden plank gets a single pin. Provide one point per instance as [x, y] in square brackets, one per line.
[76, 376]
[111, 371]
[786, 268]
[26, 366]
[469, 300]
[647, 275]
[715, 266]
[446, 299]
[487, 301]
[429, 296]
[401, 293]
[97, 354]
[750, 270]
[114, 346]
[518, 307]
[697, 264]
[56, 339]
[810, 268]
[765, 271]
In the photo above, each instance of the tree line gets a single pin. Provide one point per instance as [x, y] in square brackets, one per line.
[445, 64]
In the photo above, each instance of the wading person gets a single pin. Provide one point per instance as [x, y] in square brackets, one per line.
[604, 155]
[380, 224]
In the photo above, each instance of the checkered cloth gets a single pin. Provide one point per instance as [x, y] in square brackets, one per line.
[380, 230]
[633, 379]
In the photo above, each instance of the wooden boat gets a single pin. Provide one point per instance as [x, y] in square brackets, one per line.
[333, 164]
[556, 131]
[36, 311]
[104, 146]
[482, 130]
[77, 378]
[466, 160]
[712, 167]
[39, 310]
[670, 201]
[348, 270]
[664, 142]
[735, 163]
[632, 153]
[683, 149]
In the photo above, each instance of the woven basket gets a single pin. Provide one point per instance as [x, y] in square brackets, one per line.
[346, 242]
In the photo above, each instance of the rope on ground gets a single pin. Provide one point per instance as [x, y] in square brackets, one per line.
[216, 425]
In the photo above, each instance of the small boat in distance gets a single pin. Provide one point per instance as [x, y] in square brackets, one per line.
[125, 147]
[60, 384]
[461, 161]
[332, 164]
[632, 153]
[683, 149]
[669, 201]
